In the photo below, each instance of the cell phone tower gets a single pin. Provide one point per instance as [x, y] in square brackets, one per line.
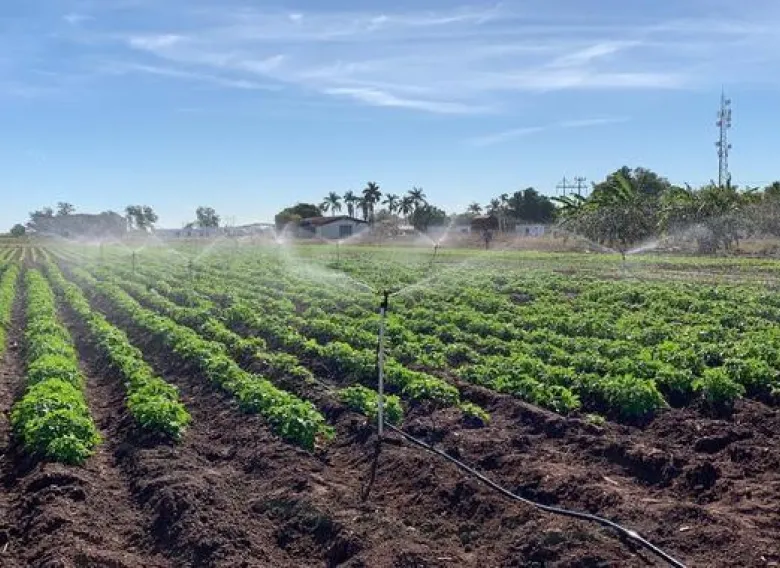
[723, 123]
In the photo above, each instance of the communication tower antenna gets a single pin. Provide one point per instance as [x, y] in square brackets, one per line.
[723, 146]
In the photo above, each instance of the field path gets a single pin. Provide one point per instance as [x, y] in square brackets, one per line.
[11, 387]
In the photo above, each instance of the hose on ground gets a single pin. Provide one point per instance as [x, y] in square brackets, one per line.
[627, 533]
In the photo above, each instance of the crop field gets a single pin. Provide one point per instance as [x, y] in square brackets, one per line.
[216, 405]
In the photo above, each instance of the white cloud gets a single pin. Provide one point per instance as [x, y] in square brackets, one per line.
[155, 42]
[498, 137]
[74, 19]
[379, 98]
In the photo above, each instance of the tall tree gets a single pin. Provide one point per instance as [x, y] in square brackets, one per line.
[18, 230]
[206, 217]
[418, 196]
[140, 217]
[332, 203]
[371, 195]
[350, 199]
[392, 201]
[474, 208]
[426, 216]
[64, 208]
[406, 206]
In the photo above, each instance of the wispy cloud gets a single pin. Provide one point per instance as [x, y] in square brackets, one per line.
[447, 61]
[380, 98]
[506, 135]
[74, 18]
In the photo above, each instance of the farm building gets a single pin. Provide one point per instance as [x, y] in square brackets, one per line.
[484, 223]
[337, 227]
[532, 230]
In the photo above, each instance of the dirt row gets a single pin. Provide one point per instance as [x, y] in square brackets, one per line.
[232, 494]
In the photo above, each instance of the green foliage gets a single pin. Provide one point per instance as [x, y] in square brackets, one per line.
[52, 418]
[630, 397]
[18, 230]
[475, 413]
[366, 401]
[290, 417]
[717, 389]
[153, 403]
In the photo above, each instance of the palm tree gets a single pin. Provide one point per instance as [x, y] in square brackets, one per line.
[406, 206]
[332, 203]
[417, 196]
[392, 202]
[350, 199]
[372, 195]
[474, 208]
[365, 207]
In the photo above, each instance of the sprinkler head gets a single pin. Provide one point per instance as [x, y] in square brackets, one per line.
[385, 300]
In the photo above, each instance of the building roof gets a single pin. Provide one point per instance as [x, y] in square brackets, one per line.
[320, 221]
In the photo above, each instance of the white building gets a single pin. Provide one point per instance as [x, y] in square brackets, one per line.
[526, 230]
[337, 227]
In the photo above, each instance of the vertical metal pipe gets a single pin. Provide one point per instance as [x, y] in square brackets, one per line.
[381, 364]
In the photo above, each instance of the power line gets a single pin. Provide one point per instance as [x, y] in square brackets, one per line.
[723, 146]
[576, 187]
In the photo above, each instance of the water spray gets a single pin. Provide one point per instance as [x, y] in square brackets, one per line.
[383, 307]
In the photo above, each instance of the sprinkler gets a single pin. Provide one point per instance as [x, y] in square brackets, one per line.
[191, 268]
[383, 307]
[435, 250]
[102, 254]
[134, 261]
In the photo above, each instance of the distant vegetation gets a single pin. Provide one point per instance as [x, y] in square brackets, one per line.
[628, 208]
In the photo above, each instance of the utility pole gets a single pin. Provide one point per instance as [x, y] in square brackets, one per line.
[580, 184]
[723, 146]
[563, 186]
[576, 187]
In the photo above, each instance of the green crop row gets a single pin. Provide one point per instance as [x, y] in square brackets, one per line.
[7, 294]
[338, 358]
[52, 418]
[153, 403]
[290, 417]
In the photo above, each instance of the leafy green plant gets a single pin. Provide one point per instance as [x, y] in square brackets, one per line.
[366, 401]
[718, 390]
[475, 414]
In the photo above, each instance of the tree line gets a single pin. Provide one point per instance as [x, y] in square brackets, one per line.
[632, 206]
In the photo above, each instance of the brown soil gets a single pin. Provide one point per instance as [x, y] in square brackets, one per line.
[231, 494]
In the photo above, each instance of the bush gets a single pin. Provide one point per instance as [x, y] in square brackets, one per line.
[718, 390]
[366, 401]
[475, 414]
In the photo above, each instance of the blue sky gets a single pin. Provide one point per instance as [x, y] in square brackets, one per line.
[251, 106]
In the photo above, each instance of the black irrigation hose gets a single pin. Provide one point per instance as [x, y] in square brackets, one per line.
[632, 535]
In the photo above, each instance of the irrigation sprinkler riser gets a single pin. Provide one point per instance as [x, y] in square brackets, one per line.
[381, 365]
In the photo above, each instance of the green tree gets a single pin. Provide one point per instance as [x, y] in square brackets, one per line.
[418, 197]
[331, 203]
[296, 213]
[406, 206]
[392, 201]
[474, 208]
[371, 196]
[64, 208]
[350, 199]
[618, 213]
[426, 216]
[140, 217]
[206, 217]
[18, 230]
